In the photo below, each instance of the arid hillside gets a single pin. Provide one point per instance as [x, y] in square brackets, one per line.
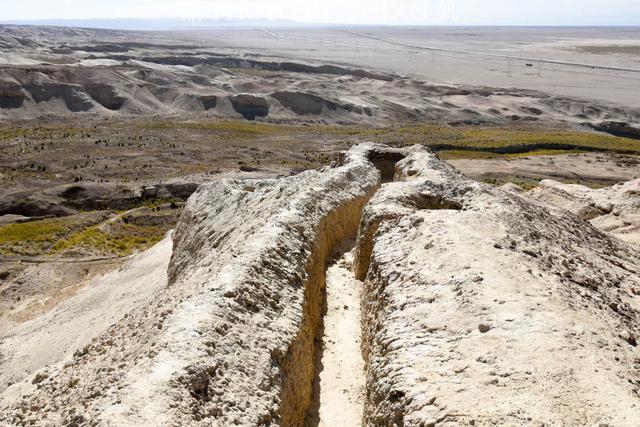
[319, 227]
[478, 306]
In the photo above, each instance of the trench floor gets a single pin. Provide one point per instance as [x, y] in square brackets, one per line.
[341, 380]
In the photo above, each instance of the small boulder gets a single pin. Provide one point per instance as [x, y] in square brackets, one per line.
[484, 328]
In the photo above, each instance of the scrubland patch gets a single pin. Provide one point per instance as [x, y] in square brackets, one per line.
[124, 240]
[153, 149]
[440, 137]
[39, 237]
[226, 129]
[85, 234]
[31, 234]
[44, 132]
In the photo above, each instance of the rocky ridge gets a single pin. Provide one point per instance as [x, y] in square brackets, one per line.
[231, 339]
[482, 308]
[479, 307]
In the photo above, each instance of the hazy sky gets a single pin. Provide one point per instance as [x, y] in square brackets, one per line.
[518, 12]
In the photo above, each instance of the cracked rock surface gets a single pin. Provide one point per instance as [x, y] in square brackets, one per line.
[482, 308]
[479, 306]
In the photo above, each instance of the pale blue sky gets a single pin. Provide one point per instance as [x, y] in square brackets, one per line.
[462, 12]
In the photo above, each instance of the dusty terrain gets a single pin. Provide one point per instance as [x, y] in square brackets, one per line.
[507, 295]
[522, 57]
[521, 315]
[54, 72]
[590, 169]
[612, 209]
[235, 335]
[340, 375]
[76, 321]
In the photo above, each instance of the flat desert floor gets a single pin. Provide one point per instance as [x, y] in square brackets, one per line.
[520, 57]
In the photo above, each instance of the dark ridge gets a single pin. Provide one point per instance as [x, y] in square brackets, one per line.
[621, 129]
[522, 149]
[106, 96]
[74, 99]
[35, 208]
[209, 101]
[128, 46]
[303, 103]
[143, 45]
[250, 106]
[233, 62]
[101, 48]
[7, 102]
[11, 95]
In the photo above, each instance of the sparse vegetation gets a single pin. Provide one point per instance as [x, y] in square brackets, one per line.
[165, 148]
[171, 148]
[466, 154]
[83, 235]
[226, 129]
[31, 237]
[155, 203]
[532, 141]
[122, 240]
[8, 133]
[470, 154]
[536, 141]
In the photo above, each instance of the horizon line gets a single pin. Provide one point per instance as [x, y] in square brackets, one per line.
[279, 21]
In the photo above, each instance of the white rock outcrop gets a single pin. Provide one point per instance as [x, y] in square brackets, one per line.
[615, 209]
[231, 339]
[481, 308]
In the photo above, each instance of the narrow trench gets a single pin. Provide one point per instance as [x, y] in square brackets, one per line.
[340, 378]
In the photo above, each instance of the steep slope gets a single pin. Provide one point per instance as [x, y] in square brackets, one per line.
[28, 348]
[478, 307]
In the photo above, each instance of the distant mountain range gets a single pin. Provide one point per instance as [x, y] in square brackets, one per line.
[156, 24]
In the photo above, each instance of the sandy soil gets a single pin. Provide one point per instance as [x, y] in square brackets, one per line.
[588, 168]
[564, 44]
[51, 339]
[40, 286]
[342, 378]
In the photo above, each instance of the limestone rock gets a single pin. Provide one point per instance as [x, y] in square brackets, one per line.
[615, 209]
[231, 339]
[553, 355]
